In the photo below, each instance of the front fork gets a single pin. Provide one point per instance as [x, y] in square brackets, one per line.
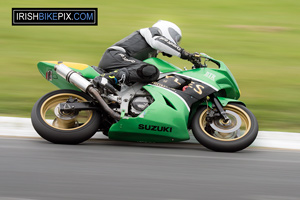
[220, 111]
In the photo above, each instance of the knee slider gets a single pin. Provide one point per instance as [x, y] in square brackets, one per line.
[149, 72]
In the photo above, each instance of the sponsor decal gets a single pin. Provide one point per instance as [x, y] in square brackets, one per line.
[169, 43]
[125, 58]
[174, 91]
[196, 87]
[211, 76]
[155, 128]
[162, 85]
[54, 16]
[174, 79]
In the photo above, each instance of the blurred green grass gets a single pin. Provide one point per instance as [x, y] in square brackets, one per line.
[259, 40]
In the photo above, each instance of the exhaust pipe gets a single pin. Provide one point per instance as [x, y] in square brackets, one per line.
[72, 77]
[84, 85]
[103, 104]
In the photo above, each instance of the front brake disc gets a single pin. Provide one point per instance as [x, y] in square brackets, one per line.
[233, 125]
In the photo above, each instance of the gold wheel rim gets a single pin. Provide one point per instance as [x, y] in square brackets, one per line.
[246, 123]
[47, 112]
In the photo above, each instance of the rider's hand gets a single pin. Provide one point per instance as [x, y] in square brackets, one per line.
[193, 58]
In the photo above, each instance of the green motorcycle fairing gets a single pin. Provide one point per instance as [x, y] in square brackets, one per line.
[173, 111]
[162, 65]
[165, 120]
[46, 68]
[220, 79]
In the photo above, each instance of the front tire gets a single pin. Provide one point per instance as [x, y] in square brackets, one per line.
[64, 128]
[219, 136]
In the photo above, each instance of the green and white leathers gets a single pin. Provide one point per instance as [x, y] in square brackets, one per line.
[203, 100]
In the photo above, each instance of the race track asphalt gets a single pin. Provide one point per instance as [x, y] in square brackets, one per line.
[33, 169]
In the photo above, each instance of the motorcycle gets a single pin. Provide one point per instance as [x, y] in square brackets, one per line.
[202, 100]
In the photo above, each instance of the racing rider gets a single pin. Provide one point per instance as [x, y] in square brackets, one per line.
[124, 60]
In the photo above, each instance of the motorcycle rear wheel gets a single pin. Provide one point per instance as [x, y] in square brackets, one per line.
[226, 137]
[64, 127]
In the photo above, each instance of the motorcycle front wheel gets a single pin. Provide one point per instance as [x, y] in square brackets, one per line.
[59, 127]
[216, 134]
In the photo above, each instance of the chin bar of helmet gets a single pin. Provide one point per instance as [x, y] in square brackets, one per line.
[84, 85]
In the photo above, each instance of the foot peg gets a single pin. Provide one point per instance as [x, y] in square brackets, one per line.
[104, 83]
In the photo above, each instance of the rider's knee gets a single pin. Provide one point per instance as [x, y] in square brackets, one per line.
[148, 73]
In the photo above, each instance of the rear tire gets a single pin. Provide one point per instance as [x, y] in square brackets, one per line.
[212, 137]
[68, 128]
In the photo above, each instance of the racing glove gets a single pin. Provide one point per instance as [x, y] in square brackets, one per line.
[193, 58]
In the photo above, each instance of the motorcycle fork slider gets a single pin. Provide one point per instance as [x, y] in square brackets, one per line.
[220, 109]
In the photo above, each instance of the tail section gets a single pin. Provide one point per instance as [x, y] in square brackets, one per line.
[46, 68]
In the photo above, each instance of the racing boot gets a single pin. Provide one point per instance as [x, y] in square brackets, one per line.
[111, 79]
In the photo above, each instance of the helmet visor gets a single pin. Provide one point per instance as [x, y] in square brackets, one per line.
[175, 35]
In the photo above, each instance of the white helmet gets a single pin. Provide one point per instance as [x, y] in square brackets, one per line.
[169, 30]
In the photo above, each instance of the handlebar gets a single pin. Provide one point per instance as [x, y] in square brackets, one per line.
[197, 61]
[207, 58]
[198, 65]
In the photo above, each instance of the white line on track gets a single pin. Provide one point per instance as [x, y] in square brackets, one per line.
[21, 127]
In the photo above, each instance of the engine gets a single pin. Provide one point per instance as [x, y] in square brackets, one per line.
[139, 104]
